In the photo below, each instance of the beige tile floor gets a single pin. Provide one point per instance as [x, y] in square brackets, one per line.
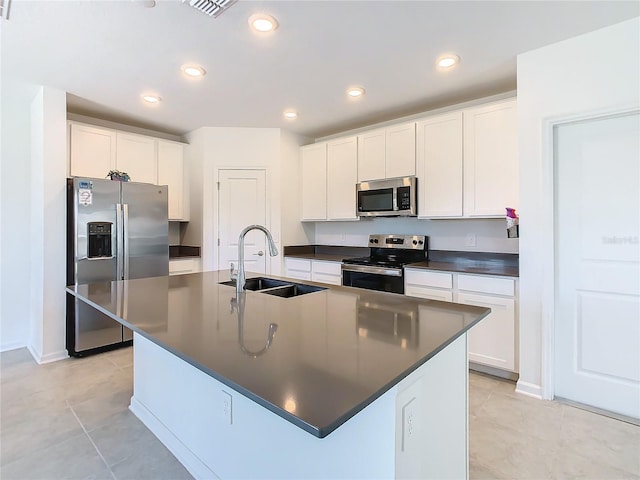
[69, 419]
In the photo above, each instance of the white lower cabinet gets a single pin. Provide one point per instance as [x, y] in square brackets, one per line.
[493, 341]
[180, 266]
[326, 272]
[321, 271]
[298, 268]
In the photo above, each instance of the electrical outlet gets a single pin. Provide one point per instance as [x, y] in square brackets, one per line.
[227, 407]
[410, 424]
[343, 238]
[470, 240]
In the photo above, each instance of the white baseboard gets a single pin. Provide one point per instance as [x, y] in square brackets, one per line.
[5, 347]
[185, 456]
[48, 358]
[529, 389]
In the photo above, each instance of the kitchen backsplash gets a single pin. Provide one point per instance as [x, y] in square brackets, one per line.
[174, 233]
[488, 235]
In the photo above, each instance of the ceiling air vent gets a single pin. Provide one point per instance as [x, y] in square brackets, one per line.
[213, 8]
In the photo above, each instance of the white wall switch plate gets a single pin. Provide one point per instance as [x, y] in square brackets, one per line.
[227, 407]
[470, 240]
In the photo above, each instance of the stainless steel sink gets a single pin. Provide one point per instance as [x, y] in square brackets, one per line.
[279, 288]
[293, 290]
[258, 283]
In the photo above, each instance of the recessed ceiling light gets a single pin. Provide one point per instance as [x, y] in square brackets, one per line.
[151, 98]
[448, 61]
[262, 23]
[355, 92]
[193, 71]
[290, 114]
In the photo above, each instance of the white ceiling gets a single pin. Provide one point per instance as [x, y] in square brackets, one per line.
[105, 54]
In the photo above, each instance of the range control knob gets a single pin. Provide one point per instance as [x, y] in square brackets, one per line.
[375, 240]
[420, 242]
[371, 240]
[415, 242]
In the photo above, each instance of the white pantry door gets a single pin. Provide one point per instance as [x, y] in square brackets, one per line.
[242, 201]
[597, 317]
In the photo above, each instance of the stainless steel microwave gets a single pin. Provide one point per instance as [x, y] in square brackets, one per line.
[392, 197]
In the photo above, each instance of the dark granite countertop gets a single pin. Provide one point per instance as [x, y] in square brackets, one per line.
[183, 251]
[332, 253]
[482, 263]
[334, 351]
[504, 264]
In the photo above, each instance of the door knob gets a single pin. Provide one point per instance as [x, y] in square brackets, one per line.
[260, 253]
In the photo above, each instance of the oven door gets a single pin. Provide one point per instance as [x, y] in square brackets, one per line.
[373, 278]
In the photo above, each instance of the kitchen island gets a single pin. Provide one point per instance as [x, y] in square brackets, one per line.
[338, 383]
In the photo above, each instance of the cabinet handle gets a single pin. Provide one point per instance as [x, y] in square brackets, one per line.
[260, 253]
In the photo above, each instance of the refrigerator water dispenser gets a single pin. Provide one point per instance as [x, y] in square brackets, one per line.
[99, 244]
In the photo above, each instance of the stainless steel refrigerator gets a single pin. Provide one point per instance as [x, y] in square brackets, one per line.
[115, 231]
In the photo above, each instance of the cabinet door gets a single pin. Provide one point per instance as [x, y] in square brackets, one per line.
[371, 155]
[490, 159]
[439, 166]
[401, 150]
[136, 155]
[298, 268]
[314, 181]
[326, 272]
[492, 341]
[92, 151]
[171, 173]
[342, 176]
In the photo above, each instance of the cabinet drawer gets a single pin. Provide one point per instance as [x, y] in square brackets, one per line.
[430, 293]
[428, 278]
[326, 278]
[300, 264]
[330, 268]
[496, 286]
[186, 265]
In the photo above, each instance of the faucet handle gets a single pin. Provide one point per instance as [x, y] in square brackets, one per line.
[233, 276]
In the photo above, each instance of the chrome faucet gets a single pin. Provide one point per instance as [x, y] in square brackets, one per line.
[240, 277]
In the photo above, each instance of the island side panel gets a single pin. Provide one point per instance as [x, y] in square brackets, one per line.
[185, 409]
[432, 418]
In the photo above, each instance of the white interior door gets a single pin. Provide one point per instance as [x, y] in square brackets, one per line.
[242, 202]
[597, 317]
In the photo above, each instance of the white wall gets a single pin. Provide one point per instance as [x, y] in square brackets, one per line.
[293, 231]
[214, 148]
[15, 203]
[47, 242]
[594, 73]
[491, 234]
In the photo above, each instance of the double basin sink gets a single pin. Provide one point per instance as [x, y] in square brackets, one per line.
[278, 288]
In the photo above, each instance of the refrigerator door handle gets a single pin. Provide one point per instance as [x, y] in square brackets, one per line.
[125, 236]
[119, 242]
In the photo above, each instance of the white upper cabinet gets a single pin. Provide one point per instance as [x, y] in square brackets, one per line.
[467, 162]
[136, 155]
[387, 152]
[171, 173]
[371, 155]
[92, 151]
[439, 166]
[401, 150]
[342, 176]
[490, 159]
[314, 181]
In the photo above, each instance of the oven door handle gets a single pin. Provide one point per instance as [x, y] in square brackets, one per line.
[390, 272]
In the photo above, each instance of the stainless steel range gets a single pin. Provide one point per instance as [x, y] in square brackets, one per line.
[383, 269]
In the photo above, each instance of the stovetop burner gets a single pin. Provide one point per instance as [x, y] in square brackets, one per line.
[393, 251]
